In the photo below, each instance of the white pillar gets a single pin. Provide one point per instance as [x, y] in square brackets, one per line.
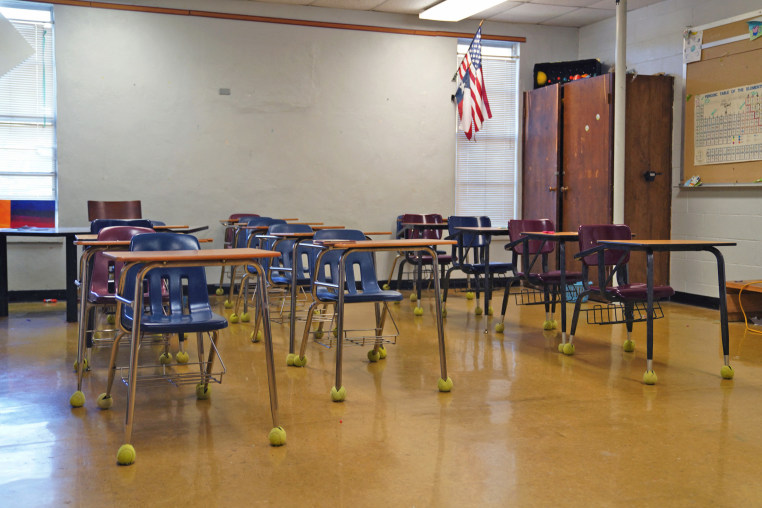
[620, 102]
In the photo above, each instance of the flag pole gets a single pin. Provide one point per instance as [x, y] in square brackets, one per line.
[469, 48]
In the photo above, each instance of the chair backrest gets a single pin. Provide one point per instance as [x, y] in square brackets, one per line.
[409, 218]
[114, 210]
[360, 266]
[467, 240]
[97, 224]
[105, 271]
[518, 226]
[286, 248]
[175, 290]
[433, 218]
[241, 217]
[590, 234]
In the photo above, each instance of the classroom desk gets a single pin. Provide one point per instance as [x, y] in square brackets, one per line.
[207, 257]
[489, 231]
[404, 245]
[419, 227]
[68, 234]
[298, 239]
[651, 246]
[560, 237]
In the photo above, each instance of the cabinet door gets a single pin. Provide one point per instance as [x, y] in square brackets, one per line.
[587, 156]
[541, 153]
[648, 148]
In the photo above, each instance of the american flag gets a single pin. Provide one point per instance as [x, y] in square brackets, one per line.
[471, 95]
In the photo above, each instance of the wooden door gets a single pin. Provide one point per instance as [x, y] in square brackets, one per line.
[648, 147]
[541, 153]
[587, 156]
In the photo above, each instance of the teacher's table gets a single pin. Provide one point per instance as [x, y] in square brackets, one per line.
[651, 246]
[68, 234]
[179, 258]
[402, 245]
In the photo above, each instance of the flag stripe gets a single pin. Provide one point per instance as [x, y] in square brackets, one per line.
[473, 104]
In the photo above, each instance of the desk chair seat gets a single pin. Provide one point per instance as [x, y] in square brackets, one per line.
[541, 285]
[361, 286]
[612, 262]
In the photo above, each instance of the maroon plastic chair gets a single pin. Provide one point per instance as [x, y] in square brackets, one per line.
[114, 210]
[536, 278]
[609, 263]
[104, 273]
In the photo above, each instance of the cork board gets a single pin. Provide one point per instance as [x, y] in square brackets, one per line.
[723, 109]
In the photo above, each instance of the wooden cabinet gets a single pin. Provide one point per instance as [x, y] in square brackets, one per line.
[568, 154]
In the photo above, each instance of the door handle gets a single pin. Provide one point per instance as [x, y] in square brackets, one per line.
[551, 189]
[564, 189]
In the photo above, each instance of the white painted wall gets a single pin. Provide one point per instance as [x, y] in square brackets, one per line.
[343, 127]
[654, 44]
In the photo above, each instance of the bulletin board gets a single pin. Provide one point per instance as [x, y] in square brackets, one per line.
[723, 104]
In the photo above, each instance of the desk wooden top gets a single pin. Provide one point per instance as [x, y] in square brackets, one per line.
[491, 230]
[666, 245]
[92, 241]
[170, 226]
[179, 256]
[551, 235]
[302, 234]
[377, 233]
[426, 225]
[319, 227]
[401, 243]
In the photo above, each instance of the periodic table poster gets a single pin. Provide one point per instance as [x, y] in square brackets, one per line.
[728, 125]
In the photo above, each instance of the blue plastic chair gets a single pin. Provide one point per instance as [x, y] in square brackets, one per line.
[360, 286]
[176, 301]
[468, 254]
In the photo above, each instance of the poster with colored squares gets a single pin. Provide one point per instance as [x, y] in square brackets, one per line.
[26, 213]
[728, 126]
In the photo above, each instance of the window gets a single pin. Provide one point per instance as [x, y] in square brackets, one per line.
[485, 167]
[27, 116]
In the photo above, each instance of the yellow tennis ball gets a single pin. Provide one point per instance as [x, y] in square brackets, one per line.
[470, 295]
[629, 346]
[500, 327]
[77, 399]
[444, 386]
[418, 311]
[542, 78]
[413, 297]
[649, 377]
[568, 349]
[277, 436]
[338, 395]
[126, 455]
[727, 372]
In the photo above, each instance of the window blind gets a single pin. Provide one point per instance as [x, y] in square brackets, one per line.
[485, 167]
[28, 110]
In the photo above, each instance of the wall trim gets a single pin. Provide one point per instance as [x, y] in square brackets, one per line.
[280, 21]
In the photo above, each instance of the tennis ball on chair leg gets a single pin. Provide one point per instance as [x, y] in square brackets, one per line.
[234, 318]
[500, 327]
[219, 292]
[470, 295]
[126, 455]
[727, 372]
[373, 356]
[649, 377]
[165, 358]
[568, 349]
[338, 395]
[628, 346]
[277, 436]
[444, 386]
[478, 311]
[228, 304]
[77, 399]
[413, 297]
[418, 311]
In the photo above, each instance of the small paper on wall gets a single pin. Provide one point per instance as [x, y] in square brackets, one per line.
[692, 46]
[754, 29]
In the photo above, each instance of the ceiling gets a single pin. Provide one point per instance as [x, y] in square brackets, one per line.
[569, 13]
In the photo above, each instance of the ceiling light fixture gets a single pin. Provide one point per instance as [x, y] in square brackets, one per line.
[455, 10]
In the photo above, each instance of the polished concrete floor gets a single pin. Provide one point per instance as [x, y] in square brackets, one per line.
[523, 425]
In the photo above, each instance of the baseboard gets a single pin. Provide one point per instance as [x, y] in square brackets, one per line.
[696, 300]
[36, 295]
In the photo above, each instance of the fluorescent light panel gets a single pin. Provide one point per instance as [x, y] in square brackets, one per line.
[455, 10]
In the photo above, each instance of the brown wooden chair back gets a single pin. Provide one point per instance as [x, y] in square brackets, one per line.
[114, 210]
